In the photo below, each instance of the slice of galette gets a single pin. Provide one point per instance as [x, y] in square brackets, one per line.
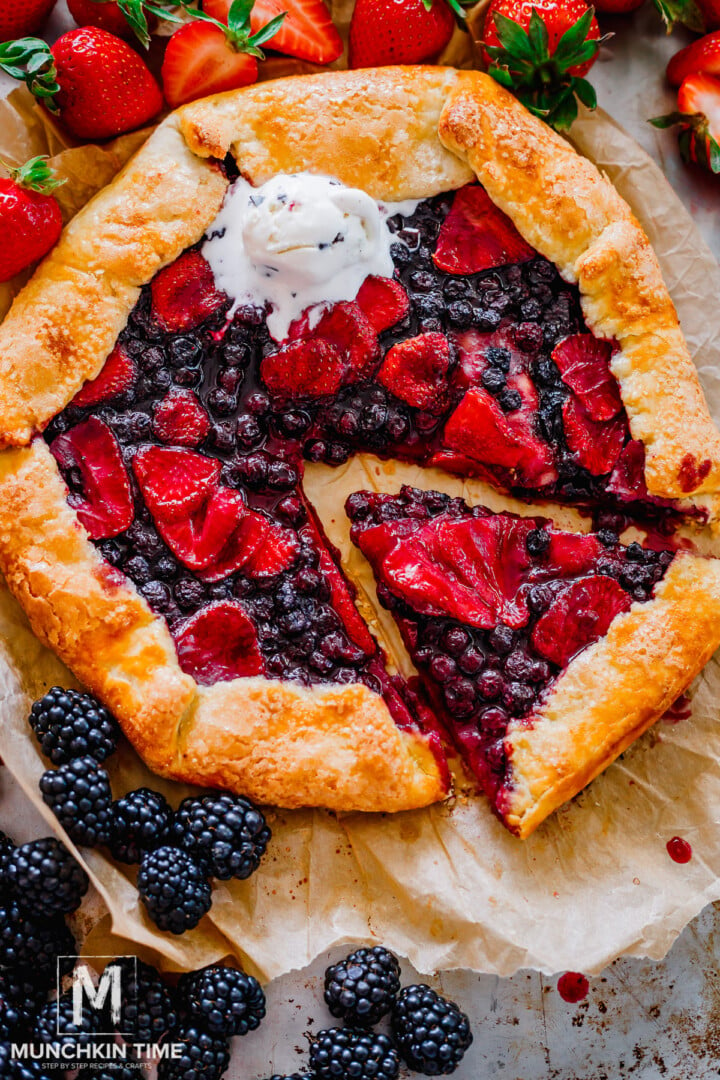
[399, 261]
[545, 652]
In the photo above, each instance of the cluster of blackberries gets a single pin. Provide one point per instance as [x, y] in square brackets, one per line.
[429, 1033]
[208, 836]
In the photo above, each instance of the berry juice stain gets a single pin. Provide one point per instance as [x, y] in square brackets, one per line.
[573, 987]
[679, 850]
[679, 710]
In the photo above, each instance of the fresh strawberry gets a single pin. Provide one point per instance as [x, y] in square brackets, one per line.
[198, 539]
[541, 51]
[405, 32]
[184, 293]
[595, 444]
[698, 118]
[210, 56]
[180, 419]
[98, 86]
[350, 332]
[30, 220]
[304, 369]
[20, 18]
[415, 370]
[341, 598]
[584, 364]
[218, 643]
[578, 616]
[174, 483]
[124, 18]
[105, 507]
[699, 57]
[469, 569]
[117, 376]
[627, 481]
[480, 430]
[383, 302]
[306, 32]
[277, 553]
[476, 235]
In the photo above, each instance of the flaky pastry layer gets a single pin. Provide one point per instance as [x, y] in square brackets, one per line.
[612, 692]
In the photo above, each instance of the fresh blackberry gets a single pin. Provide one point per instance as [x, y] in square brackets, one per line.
[147, 1011]
[7, 847]
[31, 944]
[203, 1057]
[140, 822]
[347, 1053]
[54, 1024]
[110, 1070]
[431, 1033]
[174, 889]
[12, 1069]
[69, 725]
[223, 1000]
[13, 1018]
[292, 1076]
[223, 832]
[47, 879]
[79, 795]
[362, 988]
[23, 994]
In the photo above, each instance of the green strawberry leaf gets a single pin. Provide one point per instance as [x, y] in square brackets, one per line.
[269, 30]
[502, 75]
[685, 12]
[538, 36]
[564, 113]
[513, 38]
[673, 118]
[35, 175]
[30, 61]
[714, 154]
[573, 38]
[585, 92]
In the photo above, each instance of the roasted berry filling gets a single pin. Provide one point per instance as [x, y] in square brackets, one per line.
[184, 457]
[493, 607]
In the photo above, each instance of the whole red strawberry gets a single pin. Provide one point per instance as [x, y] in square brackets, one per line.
[30, 220]
[699, 56]
[19, 18]
[617, 7]
[698, 120]
[541, 49]
[131, 19]
[98, 86]
[400, 31]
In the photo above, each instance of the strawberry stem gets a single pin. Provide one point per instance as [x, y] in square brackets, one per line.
[685, 12]
[237, 30]
[30, 61]
[35, 175]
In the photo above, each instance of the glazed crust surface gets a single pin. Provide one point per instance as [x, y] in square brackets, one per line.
[400, 134]
[612, 692]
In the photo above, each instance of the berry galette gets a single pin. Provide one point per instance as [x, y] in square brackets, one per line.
[400, 262]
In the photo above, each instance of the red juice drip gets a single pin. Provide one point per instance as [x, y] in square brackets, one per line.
[679, 850]
[679, 710]
[573, 987]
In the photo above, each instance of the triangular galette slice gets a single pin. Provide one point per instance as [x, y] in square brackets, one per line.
[546, 653]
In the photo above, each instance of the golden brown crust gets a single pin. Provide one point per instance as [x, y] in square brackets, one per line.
[375, 129]
[67, 319]
[613, 691]
[571, 214]
[337, 746]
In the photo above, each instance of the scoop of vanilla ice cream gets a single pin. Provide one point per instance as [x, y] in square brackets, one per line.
[299, 241]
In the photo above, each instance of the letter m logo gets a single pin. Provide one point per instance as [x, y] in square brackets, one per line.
[102, 994]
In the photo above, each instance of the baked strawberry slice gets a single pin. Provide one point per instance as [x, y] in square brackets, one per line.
[571, 554]
[117, 376]
[476, 235]
[595, 444]
[199, 539]
[578, 616]
[276, 553]
[470, 569]
[415, 370]
[306, 368]
[184, 293]
[180, 419]
[480, 430]
[218, 643]
[105, 507]
[174, 483]
[383, 301]
[242, 544]
[584, 364]
[351, 333]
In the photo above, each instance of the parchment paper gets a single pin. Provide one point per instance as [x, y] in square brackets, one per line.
[447, 886]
